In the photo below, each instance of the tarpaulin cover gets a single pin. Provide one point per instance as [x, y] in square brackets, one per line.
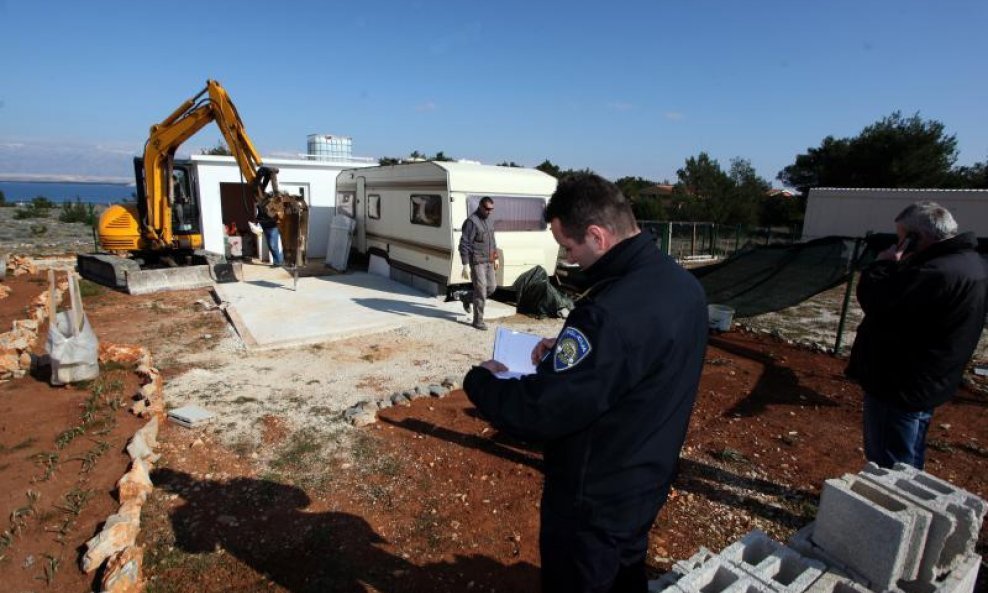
[758, 280]
[537, 297]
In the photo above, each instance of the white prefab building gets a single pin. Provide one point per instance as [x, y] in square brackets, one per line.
[854, 212]
[410, 216]
[221, 195]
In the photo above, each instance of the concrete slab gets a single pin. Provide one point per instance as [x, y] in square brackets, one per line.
[269, 311]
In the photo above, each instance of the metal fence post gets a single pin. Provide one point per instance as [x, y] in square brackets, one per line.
[665, 237]
[847, 298]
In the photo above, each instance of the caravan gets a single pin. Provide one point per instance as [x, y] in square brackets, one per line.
[408, 218]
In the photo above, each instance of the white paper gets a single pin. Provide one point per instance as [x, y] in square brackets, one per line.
[514, 350]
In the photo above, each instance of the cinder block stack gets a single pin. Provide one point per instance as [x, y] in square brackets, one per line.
[897, 530]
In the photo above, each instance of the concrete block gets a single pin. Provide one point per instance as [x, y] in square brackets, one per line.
[693, 562]
[666, 583]
[832, 582]
[870, 530]
[719, 576]
[964, 576]
[802, 542]
[774, 564]
[933, 561]
[961, 509]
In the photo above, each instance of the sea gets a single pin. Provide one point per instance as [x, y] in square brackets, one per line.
[94, 193]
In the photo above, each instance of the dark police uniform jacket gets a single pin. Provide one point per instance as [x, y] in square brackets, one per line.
[612, 401]
[923, 318]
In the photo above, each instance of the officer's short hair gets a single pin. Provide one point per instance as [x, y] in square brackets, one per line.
[929, 219]
[585, 198]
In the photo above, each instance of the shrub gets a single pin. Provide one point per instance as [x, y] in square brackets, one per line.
[38, 229]
[78, 212]
[42, 203]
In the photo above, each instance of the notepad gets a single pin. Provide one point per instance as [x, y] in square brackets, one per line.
[513, 349]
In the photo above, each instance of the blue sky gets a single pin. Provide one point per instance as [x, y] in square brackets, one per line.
[624, 88]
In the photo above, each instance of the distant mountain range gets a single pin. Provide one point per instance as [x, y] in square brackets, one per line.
[67, 162]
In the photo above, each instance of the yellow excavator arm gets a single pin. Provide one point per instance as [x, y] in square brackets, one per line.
[147, 230]
[212, 104]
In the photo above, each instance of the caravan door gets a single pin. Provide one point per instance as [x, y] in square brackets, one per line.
[360, 213]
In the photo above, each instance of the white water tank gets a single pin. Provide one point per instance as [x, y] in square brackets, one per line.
[327, 147]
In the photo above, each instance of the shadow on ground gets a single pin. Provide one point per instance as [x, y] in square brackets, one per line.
[264, 525]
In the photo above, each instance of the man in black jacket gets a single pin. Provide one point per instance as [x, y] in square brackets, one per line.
[612, 394]
[924, 301]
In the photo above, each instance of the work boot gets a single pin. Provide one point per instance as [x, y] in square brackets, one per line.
[465, 300]
[480, 325]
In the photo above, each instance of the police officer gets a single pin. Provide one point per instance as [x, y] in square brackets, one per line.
[612, 394]
[478, 251]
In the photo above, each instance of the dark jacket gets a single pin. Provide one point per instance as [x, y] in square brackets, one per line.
[612, 401]
[264, 219]
[477, 242]
[923, 318]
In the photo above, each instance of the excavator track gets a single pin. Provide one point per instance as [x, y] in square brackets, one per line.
[125, 274]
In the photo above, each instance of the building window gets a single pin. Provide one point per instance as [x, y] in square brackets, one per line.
[345, 201]
[513, 213]
[374, 206]
[426, 209]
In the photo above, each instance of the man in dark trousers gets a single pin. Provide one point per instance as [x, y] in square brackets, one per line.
[924, 301]
[478, 251]
[612, 394]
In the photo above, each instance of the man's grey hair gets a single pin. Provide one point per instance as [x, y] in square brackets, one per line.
[929, 219]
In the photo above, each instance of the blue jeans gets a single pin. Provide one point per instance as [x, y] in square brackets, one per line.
[893, 435]
[273, 237]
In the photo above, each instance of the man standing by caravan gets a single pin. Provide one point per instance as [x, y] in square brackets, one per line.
[478, 251]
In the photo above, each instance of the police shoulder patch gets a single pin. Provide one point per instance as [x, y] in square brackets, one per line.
[571, 348]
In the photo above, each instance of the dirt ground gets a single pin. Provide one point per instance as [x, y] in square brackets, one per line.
[431, 498]
[61, 453]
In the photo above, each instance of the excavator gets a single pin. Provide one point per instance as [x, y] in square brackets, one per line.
[157, 243]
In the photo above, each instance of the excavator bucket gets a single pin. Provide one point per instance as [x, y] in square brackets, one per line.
[292, 214]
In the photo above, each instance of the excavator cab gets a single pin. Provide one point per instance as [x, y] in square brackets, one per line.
[184, 199]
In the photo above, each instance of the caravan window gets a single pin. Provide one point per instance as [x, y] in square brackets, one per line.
[513, 213]
[345, 201]
[374, 206]
[427, 209]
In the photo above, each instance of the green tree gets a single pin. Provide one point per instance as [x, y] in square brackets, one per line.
[507, 164]
[895, 151]
[631, 186]
[441, 156]
[549, 168]
[702, 189]
[388, 160]
[220, 149]
[971, 177]
[744, 201]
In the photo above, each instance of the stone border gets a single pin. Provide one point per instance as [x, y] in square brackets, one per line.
[365, 412]
[16, 344]
[115, 546]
